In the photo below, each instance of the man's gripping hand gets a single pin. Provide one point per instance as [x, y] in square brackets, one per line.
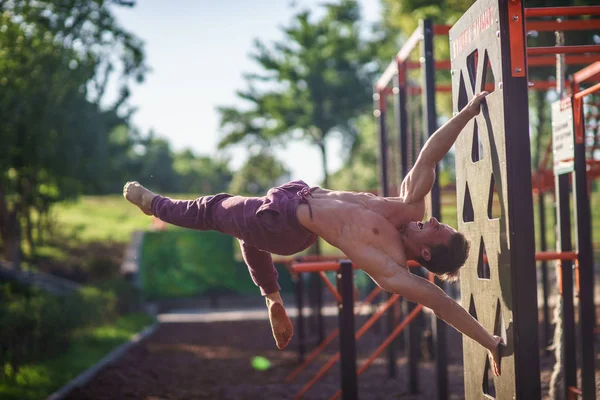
[474, 106]
[495, 355]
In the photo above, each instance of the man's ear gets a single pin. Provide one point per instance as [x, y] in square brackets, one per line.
[425, 254]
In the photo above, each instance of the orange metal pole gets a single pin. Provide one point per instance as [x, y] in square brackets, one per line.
[567, 25]
[570, 59]
[441, 29]
[442, 64]
[555, 255]
[385, 343]
[316, 266]
[590, 90]
[562, 11]
[538, 51]
[358, 334]
[329, 285]
[313, 354]
[315, 257]
[588, 73]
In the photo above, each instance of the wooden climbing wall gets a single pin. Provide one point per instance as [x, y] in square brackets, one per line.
[494, 200]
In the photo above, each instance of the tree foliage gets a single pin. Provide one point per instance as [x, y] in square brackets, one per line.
[56, 58]
[313, 82]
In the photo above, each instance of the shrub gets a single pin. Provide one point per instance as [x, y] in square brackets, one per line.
[35, 325]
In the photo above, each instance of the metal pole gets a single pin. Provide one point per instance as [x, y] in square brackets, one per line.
[586, 266]
[384, 191]
[564, 244]
[319, 304]
[347, 339]
[403, 137]
[430, 126]
[300, 317]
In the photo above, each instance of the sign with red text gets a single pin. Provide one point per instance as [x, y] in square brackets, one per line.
[563, 144]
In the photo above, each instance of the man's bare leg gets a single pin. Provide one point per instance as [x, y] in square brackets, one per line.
[282, 327]
[139, 195]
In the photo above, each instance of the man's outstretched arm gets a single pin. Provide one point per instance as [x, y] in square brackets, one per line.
[392, 277]
[420, 179]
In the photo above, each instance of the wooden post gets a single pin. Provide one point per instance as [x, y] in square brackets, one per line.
[492, 167]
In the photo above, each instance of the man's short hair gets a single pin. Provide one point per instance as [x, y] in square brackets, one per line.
[446, 260]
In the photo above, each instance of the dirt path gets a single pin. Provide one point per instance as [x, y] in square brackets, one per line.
[211, 360]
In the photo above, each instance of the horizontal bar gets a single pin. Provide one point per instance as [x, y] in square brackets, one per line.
[532, 51]
[587, 91]
[570, 59]
[542, 85]
[308, 257]
[410, 45]
[443, 64]
[588, 73]
[565, 25]
[555, 255]
[562, 11]
[316, 266]
[441, 29]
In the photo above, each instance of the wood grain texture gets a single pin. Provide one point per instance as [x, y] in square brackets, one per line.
[490, 152]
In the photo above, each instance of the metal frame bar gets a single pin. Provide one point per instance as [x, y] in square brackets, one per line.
[347, 338]
[429, 127]
[568, 11]
[564, 25]
[591, 72]
[585, 267]
[570, 59]
[577, 49]
[335, 333]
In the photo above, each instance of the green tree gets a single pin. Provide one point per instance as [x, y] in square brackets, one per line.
[361, 169]
[56, 59]
[201, 174]
[261, 172]
[313, 82]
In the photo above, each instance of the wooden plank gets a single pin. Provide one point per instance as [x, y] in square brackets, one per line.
[504, 302]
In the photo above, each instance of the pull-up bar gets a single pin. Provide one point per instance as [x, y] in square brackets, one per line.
[588, 73]
[569, 11]
[580, 49]
[317, 266]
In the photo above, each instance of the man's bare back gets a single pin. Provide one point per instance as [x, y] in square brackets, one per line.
[344, 218]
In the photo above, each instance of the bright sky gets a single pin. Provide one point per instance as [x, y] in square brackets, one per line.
[198, 51]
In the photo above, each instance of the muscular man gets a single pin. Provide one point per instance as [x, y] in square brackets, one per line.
[378, 234]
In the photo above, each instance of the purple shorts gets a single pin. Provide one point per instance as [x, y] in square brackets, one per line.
[263, 225]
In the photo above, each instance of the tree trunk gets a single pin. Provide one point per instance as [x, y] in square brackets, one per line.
[10, 232]
[12, 249]
[29, 233]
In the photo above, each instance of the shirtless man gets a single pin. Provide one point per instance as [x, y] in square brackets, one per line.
[378, 234]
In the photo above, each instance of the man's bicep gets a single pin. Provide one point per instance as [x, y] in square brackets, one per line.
[418, 182]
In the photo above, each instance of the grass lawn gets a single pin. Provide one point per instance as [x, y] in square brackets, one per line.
[99, 218]
[39, 380]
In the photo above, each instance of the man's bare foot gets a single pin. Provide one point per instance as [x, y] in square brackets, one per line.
[139, 195]
[282, 327]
